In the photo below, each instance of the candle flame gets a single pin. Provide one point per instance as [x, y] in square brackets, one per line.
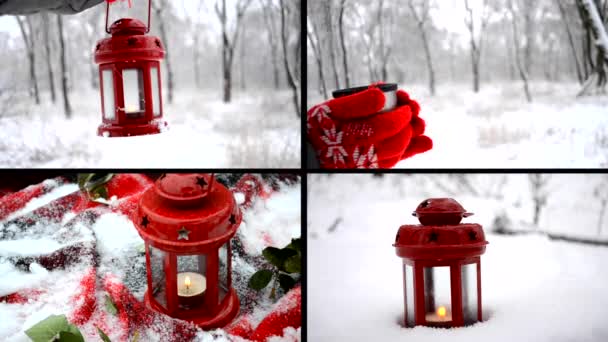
[187, 282]
[441, 311]
[131, 108]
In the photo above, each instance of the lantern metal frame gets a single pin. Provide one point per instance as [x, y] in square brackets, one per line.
[128, 48]
[445, 243]
[211, 218]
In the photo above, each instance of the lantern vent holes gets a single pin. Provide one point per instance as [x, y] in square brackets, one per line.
[132, 41]
[433, 237]
[425, 204]
[97, 47]
[397, 238]
[201, 182]
[232, 219]
[157, 43]
[183, 234]
[472, 236]
[145, 221]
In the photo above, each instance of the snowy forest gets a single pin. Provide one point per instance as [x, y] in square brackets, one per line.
[502, 69]
[230, 76]
[542, 274]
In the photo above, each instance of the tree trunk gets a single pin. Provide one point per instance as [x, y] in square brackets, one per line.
[272, 42]
[602, 213]
[291, 78]
[564, 17]
[475, 47]
[314, 44]
[332, 42]
[165, 39]
[47, 48]
[64, 71]
[343, 43]
[421, 21]
[520, 66]
[28, 40]
[195, 61]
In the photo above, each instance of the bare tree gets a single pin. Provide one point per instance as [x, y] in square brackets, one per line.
[476, 42]
[564, 18]
[159, 9]
[49, 57]
[343, 42]
[269, 19]
[384, 46]
[311, 33]
[193, 22]
[291, 67]
[64, 70]
[229, 41]
[328, 12]
[601, 192]
[593, 23]
[523, 73]
[538, 191]
[27, 32]
[421, 20]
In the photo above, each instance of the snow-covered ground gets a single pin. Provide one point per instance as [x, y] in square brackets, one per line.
[496, 128]
[533, 289]
[258, 129]
[274, 221]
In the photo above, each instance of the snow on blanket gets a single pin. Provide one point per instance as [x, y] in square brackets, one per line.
[274, 220]
[533, 289]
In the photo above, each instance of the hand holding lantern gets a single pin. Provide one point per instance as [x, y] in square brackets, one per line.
[360, 131]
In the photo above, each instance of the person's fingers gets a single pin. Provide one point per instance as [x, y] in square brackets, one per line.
[417, 145]
[359, 105]
[404, 99]
[388, 162]
[393, 147]
[375, 128]
[418, 126]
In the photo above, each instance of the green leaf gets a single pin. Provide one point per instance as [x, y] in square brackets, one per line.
[293, 264]
[103, 335]
[110, 307]
[286, 282]
[51, 328]
[65, 336]
[277, 257]
[260, 279]
[296, 244]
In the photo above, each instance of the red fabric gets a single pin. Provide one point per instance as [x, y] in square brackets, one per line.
[84, 299]
[348, 132]
[252, 186]
[17, 200]
[287, 312]
[241, 327]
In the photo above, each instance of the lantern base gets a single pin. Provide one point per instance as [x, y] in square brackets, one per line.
[110, 130]
[226, 314]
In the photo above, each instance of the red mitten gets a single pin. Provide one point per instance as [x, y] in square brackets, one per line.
[349, 132]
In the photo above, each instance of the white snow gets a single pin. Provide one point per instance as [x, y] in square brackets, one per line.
[38, 202]
[496, 128]
[258, 129]
[533, 289]
[28, 247]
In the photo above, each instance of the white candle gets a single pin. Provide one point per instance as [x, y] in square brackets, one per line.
[440, 315]
[190, 284]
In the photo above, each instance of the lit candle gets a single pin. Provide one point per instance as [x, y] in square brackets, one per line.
[440, 315]
[190, 288]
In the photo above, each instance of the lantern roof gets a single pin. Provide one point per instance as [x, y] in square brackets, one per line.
[182, 213]
[440, 234]
[128, 26]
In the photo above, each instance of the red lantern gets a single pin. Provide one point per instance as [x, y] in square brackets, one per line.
[441, 266]
[187, 222]
[130, 79]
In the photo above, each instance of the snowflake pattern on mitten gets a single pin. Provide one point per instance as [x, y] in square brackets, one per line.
[367, 160]
[335, 150]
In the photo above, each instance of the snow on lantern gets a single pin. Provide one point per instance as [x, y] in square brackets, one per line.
[441, 266]
[130, 81]
[187, 222]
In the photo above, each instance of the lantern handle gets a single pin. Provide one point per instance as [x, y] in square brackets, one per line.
[108, 15]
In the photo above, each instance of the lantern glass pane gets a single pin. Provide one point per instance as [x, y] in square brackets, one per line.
[191, 280]
[157, 268]
[469, 293]
[437, 295]
[224, 260]
[133, 87]
[155, 91]
[408, 281]
[109, 112]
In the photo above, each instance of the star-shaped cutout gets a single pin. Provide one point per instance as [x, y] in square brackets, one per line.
[201, 182]
[232, 219]
[397, 238]
[433, 237]
[183, 233]
[425, 204]
[145, 221]
[472, 235]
